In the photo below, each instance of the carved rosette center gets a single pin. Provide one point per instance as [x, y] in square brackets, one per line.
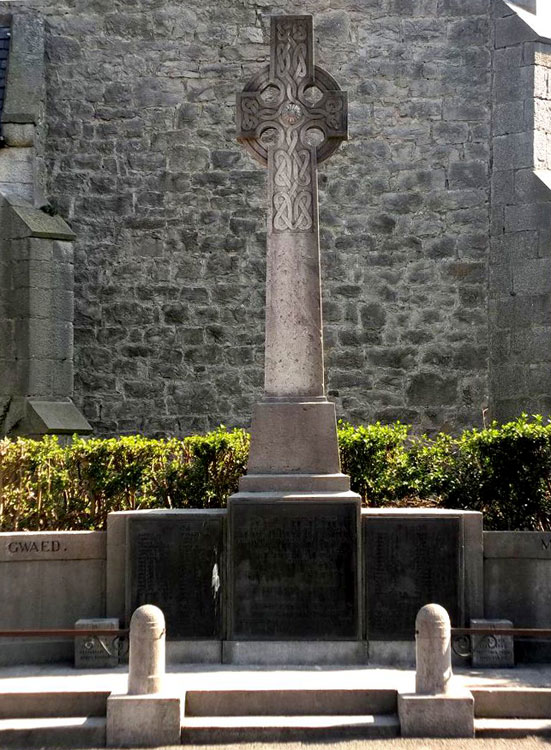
[291, 113]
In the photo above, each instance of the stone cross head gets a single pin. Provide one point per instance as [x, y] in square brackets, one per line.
[291, 116]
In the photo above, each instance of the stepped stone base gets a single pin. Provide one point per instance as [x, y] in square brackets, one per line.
[67, 731]
[143, 720]
[446, 715]
[230, 729]
[294, 438]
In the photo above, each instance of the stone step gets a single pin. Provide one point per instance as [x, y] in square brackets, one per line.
[52, 704]
[68, 731]
[513, 702]
[512, 728]
[289, 702]
[231, 729]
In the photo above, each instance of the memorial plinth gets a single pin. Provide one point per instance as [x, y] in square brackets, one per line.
[294, 525]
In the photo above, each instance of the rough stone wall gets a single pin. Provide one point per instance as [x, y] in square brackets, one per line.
[4, 49]
[170, 212]
[520, 277]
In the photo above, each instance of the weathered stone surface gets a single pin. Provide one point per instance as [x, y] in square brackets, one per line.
[520, 226]
[24, 97]
[143, 720]
[447, 715]
[143, 163]
[512, 559]
[49, 580]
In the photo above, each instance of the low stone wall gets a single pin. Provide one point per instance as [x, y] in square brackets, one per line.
[517, 585]
[49, 580]
[52, 579]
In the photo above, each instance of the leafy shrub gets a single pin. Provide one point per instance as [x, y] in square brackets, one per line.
[375, 457]
[504, 472]
[46, 486]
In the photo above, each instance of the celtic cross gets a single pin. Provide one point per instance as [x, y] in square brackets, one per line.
[291, 116]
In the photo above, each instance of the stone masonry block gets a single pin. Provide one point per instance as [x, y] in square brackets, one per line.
[459, 109]
[515, 246]
[492, 651]
[39, 377]
[25, 84]
[541, 54]
[542, 150]
[507, 59]
[503, 187]
[532, 276]
[512, 30]
[514, 84]
[529, 187]
[541, 87]
[98, 652]
[16, 165]
[143, 721]
[431, 388]
[446, 715]
[542, 115]
[531, 309]
[501, 279]
[62, 251]
[468, 174]
[63, 377]
[461, 7]
[527, 216]
[514, 151]
[538, 379]
[509, 117]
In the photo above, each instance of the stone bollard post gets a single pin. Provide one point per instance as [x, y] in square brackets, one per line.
[433, 650]
[438, 708]
[146, 716]
[147, 659]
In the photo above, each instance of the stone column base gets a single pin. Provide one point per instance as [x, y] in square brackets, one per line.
[143, 720]
[295, 437]
[446, 715]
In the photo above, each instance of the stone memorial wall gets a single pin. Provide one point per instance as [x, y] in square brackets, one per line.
[49, 580]
[517, 566]
[67, 576]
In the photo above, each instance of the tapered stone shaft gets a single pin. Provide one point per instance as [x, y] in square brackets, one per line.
[294, 345]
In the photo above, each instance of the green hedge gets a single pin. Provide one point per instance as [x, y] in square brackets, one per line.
[505, 472]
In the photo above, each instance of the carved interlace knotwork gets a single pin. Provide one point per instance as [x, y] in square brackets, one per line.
[292, 204]
[277, 101]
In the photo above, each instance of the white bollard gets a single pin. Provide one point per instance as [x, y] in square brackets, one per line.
[146, 716]
[433, 650]
[438, 708]
[147, 659]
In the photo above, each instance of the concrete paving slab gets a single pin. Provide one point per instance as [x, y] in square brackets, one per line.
[533, 743]
[43, 677]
